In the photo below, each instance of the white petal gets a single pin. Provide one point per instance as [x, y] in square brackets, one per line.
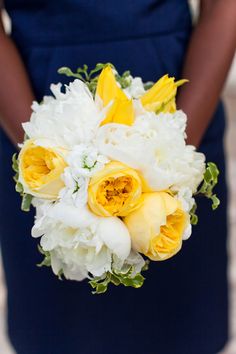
[187, 232]
[115, 235]
[72, 216]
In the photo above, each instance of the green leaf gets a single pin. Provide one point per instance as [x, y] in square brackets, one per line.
[193, 215]
[210, 180]
[148, 85]
[68, 72]
[124, 79]
[26, 198]
[47, 258]
[215, 202]
[99, 67]
[26, 202]
[19, 187]
[15, 163]
[126, 278]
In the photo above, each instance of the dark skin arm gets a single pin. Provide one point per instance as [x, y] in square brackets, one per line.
[16, 94]
[207, 63]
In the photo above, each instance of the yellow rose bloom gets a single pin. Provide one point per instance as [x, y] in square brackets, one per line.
[157, 226]
[115, 190]
[40, 170]
[161, 97]
[121, 110]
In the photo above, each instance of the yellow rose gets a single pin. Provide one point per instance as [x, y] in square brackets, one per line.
[161, 97]
[40, 170]
[115, 190]
[121, 110]
[157, 227]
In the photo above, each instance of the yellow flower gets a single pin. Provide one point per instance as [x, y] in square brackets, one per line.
[114, 191]
[161, 97]
[121, 110]
[157, 227]
[40, 170]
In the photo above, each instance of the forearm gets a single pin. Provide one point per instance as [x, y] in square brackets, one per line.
[208, 60]
[15, 90]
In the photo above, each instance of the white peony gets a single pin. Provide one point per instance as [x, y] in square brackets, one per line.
[155, 145]
[80, 242]
[68, 119]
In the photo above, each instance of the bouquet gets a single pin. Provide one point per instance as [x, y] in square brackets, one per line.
[106, 166]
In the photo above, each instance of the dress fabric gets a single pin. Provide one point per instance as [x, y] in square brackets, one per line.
[182, 307]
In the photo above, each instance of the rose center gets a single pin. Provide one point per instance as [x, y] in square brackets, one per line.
[114, 191]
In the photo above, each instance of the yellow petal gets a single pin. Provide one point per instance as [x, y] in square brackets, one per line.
[107, 88]
[161, 97]
[156, 227]
[115, 190]
[121, 110]
[40, 170]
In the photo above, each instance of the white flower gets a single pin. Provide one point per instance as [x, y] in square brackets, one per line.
[155, 145]
[69, 119]
[80, 242]
[75, 190]
[187, 232]
[136, 88]
[185, 196]
[83, 162]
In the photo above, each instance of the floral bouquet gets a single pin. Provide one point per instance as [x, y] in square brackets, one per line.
[107, 168]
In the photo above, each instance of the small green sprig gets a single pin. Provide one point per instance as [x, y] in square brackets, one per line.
[26, 198]
[90, 78]
[47, 258]
[210, 179]
[124, 80]
[193, 215]
[100, 284]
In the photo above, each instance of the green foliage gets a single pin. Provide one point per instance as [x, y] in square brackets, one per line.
[148, 85]
[26, 198]
[100, 284]
[15, 165]
[88, 77]
[91, 77]
[26, 201]
[193, 215]
[210, 180]
[47, 258]
[124, 79]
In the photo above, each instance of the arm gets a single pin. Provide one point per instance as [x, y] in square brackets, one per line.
[208, 60]
[15, 90]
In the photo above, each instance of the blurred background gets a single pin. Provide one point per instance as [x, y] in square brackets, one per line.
[229, 96]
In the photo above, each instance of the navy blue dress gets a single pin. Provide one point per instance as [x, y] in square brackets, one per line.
[182, 308]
